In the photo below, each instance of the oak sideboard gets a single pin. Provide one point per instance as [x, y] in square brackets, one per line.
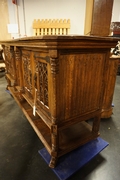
[59, 82]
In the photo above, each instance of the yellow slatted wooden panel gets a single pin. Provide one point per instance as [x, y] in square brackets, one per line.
[51, 27]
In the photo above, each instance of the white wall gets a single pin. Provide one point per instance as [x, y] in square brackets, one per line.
[4, 20]
[48, 9]
[116, 11]
[52, 9]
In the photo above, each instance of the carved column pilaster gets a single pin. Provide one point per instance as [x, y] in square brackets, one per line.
[18, 62]
[54, 66]
[54, 62]
[19, 76]
[12, 57]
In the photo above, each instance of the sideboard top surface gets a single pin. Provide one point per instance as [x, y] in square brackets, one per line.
[64, 41]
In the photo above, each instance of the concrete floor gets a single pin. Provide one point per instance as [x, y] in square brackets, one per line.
[19, 145]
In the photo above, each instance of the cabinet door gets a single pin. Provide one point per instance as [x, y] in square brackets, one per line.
[10, 62]
[41, 74]
[27, 73]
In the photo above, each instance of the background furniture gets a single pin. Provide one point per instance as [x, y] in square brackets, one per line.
[107, 108]
[98, 17]
[51, 27]
[59, 83]
[115, 28]
[97, 23]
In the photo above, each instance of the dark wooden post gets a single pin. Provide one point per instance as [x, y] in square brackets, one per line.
[98, 17]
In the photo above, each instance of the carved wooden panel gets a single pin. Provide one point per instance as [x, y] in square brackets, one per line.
[9, 61]
[27, 72]
[41, 78]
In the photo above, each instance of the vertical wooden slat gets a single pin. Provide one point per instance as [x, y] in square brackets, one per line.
[45, 31]
[38, 32]
[56, 31]
[53, 31]
[49, 32]
[68, 31]
[60, 31]
[41, 31]
[64, 31]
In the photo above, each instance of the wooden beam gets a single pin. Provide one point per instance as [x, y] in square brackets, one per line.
[98, 17]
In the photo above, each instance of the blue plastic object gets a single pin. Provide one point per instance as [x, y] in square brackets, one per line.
[71, 162]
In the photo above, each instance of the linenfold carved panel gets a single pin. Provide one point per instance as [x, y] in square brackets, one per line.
[86, 72]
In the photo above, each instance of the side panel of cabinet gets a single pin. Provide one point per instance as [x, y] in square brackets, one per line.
[81, 81]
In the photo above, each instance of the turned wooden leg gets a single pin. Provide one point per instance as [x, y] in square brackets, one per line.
[53, 162]
[54, 139]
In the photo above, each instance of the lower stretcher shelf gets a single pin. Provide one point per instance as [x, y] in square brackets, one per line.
[79, 133]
